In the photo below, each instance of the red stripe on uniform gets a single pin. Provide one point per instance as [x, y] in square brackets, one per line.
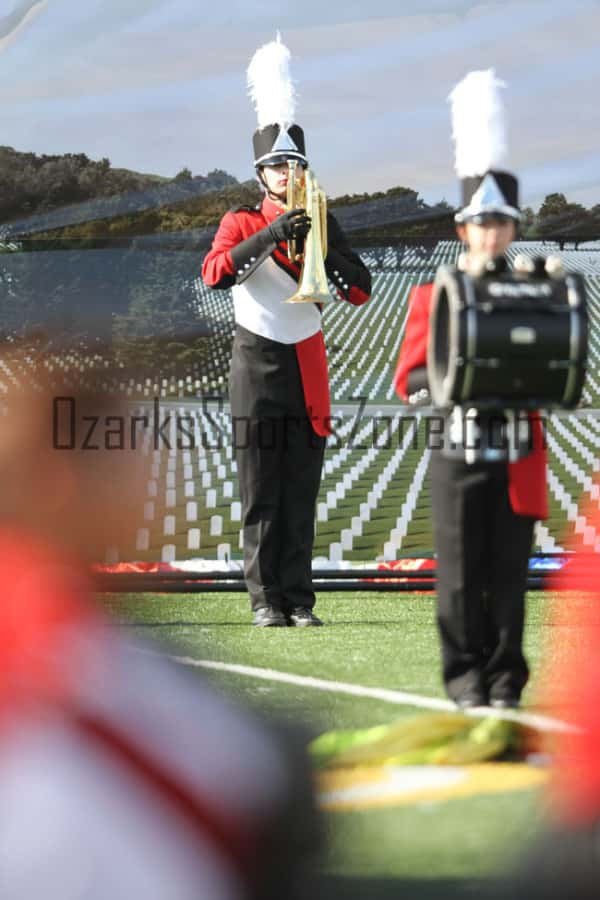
[236, 840]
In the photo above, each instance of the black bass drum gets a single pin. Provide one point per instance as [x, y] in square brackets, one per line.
[507, 340]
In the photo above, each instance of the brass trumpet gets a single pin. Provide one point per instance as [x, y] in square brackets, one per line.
[312, 286]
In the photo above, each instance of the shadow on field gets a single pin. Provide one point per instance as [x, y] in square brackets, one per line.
[388, 623]
[339, 888]
[181, 624]
[376, 623]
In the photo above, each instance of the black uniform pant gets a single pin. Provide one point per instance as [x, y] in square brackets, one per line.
[279, 459]
[482, 550]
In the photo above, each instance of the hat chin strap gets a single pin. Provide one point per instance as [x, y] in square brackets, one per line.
[265, 187]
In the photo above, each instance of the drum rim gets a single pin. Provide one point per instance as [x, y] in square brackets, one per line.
[448, 284]
[578, 344]
[455, 385]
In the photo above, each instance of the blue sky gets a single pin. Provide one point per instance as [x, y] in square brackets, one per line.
[159, 84]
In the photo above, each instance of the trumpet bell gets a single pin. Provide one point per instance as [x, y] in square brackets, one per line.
[313, 286]
[318, 293]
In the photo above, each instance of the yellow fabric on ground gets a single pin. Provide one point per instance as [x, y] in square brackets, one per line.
[376, 786]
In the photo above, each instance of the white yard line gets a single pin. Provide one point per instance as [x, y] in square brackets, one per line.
[400, 698]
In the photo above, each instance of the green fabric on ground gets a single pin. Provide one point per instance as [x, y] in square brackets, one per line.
[432, 738]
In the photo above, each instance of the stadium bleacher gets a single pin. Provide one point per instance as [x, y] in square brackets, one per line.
[374, 502]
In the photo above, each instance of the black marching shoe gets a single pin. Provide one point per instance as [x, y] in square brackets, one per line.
[505, 702]
[302, 616]
[269, 617]
[470, 700]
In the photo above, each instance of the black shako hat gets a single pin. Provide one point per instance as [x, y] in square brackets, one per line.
[272, 91]
[479, 132]
[275, 144]
[495, 193]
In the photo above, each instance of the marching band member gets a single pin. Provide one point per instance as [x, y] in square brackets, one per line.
[279, 388]
[483, 511]
[121, 774]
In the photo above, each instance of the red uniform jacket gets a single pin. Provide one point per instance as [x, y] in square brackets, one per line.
[343, 266]
[527, 477]
[68, 683]
[571, 686]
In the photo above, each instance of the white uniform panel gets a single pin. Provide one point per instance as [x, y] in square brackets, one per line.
[259, 308]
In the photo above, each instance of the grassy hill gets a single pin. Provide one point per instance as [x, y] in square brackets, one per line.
[49, 192]
[73, 197]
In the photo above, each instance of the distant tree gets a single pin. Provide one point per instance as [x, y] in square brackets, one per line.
[594, 216]
[527, 223]
[559, 216]
[412, 198]
[31, 184]
[553, 205]
[184, 175]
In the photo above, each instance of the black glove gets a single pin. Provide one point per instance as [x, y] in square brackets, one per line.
[249, 254]
[293, 225]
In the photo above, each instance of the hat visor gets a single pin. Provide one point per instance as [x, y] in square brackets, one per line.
[275, 159]
[481, 214]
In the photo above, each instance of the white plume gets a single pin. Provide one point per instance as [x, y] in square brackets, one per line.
[478, 123]
[270, 85]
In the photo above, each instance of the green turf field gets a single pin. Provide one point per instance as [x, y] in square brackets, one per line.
[430, 849]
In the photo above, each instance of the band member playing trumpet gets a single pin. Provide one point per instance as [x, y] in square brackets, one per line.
[483, 511]
[278, 386]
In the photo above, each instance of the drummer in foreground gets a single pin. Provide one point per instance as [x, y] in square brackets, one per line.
[483, 511]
